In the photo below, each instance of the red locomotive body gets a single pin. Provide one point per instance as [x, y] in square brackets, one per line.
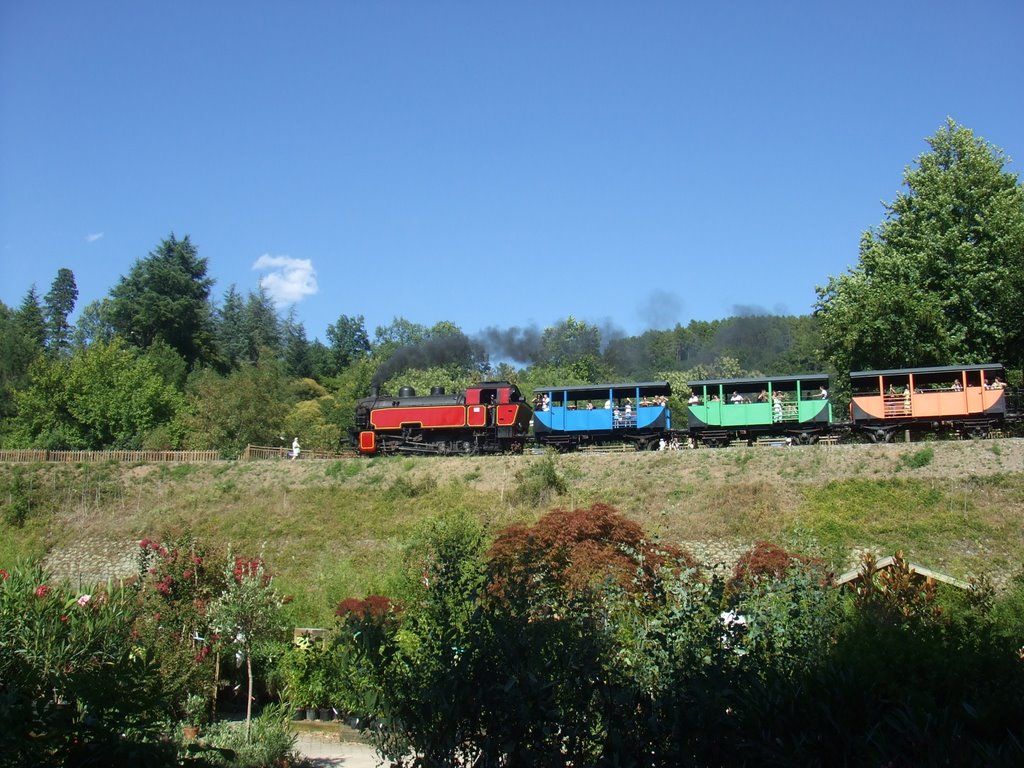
[490, 417]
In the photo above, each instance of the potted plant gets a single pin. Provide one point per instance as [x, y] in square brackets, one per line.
[195, 715]
[295, 669]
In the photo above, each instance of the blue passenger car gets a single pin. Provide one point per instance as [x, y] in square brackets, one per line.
[569, 417]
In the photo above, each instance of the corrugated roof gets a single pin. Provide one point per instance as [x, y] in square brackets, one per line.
[816, 378]
[886, 562]
[601, 390]
[935, 369]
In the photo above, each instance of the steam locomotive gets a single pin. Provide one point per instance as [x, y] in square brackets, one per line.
[490, 417]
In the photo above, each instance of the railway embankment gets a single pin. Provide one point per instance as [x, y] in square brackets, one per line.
[333, 528]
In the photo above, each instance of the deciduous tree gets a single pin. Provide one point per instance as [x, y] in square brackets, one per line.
[104, 396]
[941, 280]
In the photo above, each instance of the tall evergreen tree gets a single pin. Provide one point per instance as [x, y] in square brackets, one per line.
[296, 347]
[261, 326]
[17, 351]
[31, 321]
[59, 304]
[231, 329]
[166, 296]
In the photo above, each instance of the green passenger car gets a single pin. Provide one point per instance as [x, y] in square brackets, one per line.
[794, 409]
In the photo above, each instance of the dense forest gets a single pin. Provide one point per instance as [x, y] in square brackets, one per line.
[161, 362]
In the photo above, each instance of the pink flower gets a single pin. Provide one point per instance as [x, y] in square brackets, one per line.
[42, 590]
[4, 575]
[187, 573]
[84, 600]
[144, 543]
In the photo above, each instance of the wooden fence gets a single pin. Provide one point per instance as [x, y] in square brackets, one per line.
[27, 455]
[251, 453]
[263, 452]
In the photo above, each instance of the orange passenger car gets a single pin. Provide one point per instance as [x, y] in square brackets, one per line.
[969, 399]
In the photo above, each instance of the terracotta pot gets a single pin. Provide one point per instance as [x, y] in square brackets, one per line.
[190, 732]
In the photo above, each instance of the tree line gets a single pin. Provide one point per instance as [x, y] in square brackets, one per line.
[161, 363]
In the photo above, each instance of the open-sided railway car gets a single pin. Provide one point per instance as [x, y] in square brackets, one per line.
[794, 407]
[570, 417]
[970, 399]
[490, 417]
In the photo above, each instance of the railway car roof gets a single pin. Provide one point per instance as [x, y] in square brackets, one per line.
[936, 369]
[601, 390]
[812, 377]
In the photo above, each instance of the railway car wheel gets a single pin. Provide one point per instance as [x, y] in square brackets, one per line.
[881, 435]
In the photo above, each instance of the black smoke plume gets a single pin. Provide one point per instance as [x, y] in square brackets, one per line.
[519, 344]
[452, 348]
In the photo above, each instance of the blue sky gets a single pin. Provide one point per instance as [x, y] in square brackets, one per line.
[503, 165]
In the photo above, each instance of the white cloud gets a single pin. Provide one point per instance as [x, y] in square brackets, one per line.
[288, 280]
[92, 238]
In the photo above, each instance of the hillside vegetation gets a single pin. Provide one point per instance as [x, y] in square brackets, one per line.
[333, 529]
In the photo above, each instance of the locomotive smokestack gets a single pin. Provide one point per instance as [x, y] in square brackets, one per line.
[374, 391]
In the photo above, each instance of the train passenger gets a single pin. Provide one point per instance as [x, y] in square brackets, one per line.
[694, 399]
[736, 398]
[957, 386]
[590, 406]
[997, 383]
[762, 396]
[823, 395]
[628, 409]
[608, 403]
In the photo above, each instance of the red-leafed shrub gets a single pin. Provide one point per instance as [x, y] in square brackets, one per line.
[573, 551]
[764, 561]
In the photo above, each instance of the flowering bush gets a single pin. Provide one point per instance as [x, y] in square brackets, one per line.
[177, 581]
[71, 676]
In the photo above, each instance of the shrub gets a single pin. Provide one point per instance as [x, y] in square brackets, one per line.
[73, 676]
[539, 482]
[764, 561]
[919, 459]
[270, 743]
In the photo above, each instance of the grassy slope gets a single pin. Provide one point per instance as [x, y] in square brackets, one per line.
[333, 529]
